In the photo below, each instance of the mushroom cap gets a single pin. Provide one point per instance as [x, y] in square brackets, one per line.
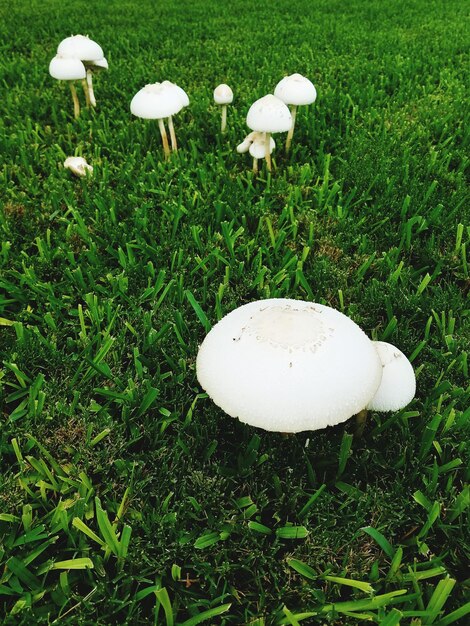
[155, 102]
[80, 47]
[288, 365]
[296, 89]
[223, 94]
[182, 95]
[100, 64]
[398, 385]
[244, 146]
[269, 115]
[258, 146]
[65, 68]
[78, 166]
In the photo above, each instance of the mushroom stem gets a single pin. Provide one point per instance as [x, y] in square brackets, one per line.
[89, 80]
[166, 147]
[267, 154]
[174, 145]
[290, 134]
[76, 103]
[361, 420]
[255, 165]
[86, 92]
[223, 125]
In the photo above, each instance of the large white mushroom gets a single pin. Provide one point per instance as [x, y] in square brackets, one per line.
[295, 90]
[269, 115]
[289, 366]
[91, 54]
[223, 95]
[158, 101]
[64, 68]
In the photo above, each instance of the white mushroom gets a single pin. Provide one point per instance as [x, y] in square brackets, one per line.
[63, 68]
[255, 144]
[85, 49]
[157, 102]
[78, 166]
[295, 90]
[223, 96]
[184, 100]
[398, 385]
[289, 366]
[269, 115]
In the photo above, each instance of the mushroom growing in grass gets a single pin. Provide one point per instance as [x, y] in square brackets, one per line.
[289, 366]
[63, 68]
[269, 115]
[184, 100]
[91, 54]
[255, 144]
[78, 166]
[295, 90]
[157, 101]
[223, 96]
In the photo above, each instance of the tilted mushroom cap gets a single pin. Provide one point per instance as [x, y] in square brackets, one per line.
[182, 95]
[100, 64]
[244, 146]
[398, 385]
[223, 94]
[78, 166]
[269, 115]
[296, 89]
[258, 146]
[80, 47]
[287, 365]
[63, 68]
[155, 102]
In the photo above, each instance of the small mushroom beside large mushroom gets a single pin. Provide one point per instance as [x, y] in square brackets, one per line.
[223, 96]
[290, 366]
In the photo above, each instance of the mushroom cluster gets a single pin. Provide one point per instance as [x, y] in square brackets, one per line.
[77, 58]
[289, 366]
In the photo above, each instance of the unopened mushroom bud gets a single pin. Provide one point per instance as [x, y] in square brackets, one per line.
[64, 68]
[78, 166]
[223, 95]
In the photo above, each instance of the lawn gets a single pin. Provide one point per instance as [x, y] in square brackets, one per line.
[126, 495]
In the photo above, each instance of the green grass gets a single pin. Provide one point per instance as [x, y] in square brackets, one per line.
[120, 480]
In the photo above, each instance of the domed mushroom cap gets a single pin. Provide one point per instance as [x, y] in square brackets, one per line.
[155, 102]
[296, 89]
[63, 68]
[287, 365]
[181, 94]
[258, 146]
[269, 115]
[80, 47]
[398, 385]
[223, 94]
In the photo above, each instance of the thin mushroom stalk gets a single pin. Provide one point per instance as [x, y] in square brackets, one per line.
[86, 92]
[166, 147]
[255, 165]
[223, 125]
[91, 94]
[290, 134]
[174, 144]
[76, 103]
[361, 421]
[267, 155]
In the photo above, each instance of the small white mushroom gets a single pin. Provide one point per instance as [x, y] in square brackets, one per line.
[69, 69]
[91, 54]
[295, 90]
[223, 96]
[244, 146]
[269, 115]
[184, 100]
[398, 385]
[78, 166]
[158, 101]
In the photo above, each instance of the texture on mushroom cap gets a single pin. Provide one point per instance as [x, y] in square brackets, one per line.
[398, 385]
[155, 102]
[269, 115]
[64, 68]
[258, 146]
[296, 89]
[223, 94]
[288, 365]
[80, 47]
